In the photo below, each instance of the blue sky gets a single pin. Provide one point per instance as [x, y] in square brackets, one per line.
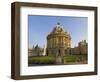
[40, 26]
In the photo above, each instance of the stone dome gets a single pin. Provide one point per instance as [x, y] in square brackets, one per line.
[58, 29]
[58, 40]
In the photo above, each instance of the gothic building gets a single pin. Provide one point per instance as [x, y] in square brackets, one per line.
[37, 51]
[58, 41]
[81, 49]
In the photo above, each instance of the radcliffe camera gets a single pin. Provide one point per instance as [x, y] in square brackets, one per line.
[57, 40]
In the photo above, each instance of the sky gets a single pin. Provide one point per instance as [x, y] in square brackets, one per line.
[40, 26]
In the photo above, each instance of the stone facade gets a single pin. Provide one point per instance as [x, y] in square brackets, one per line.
[82, 48]
[37, 51]
[58, 41]
[29, 52]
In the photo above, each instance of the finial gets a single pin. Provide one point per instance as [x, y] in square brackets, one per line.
[58, 23]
